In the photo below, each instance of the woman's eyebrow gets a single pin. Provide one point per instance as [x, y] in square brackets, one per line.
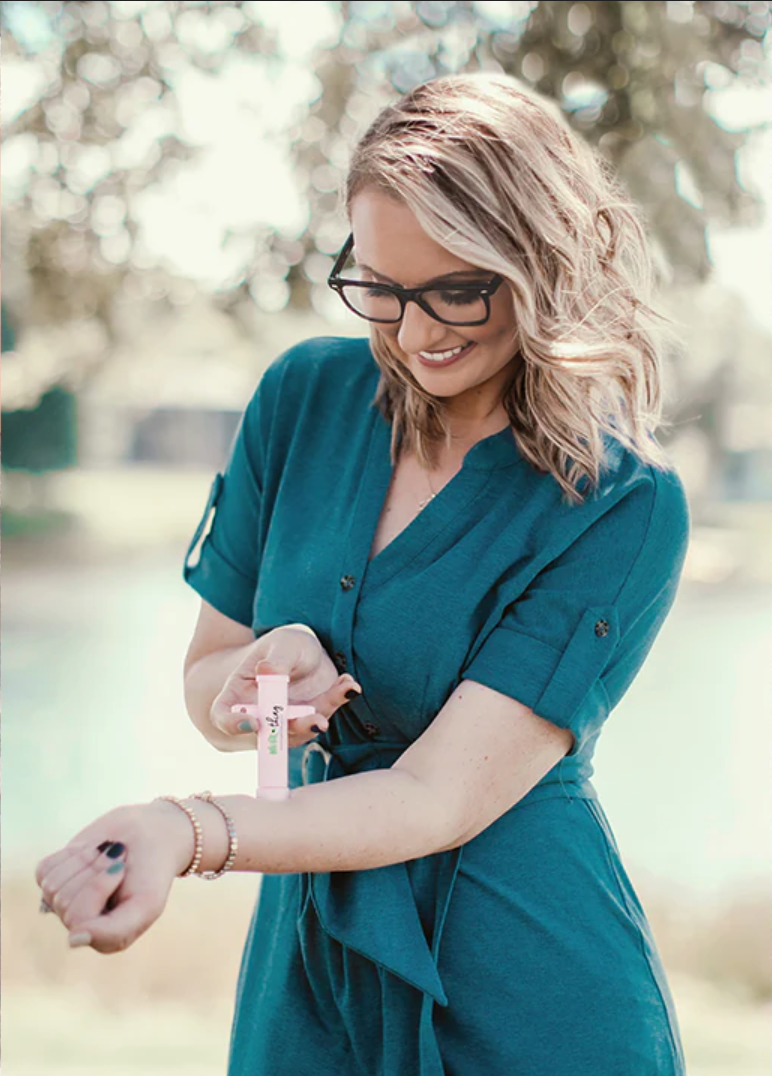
[434, 279]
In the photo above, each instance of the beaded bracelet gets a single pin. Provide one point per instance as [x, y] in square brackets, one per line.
[198, 848]
[233, 842]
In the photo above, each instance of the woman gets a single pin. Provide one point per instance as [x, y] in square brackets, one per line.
[468, 520]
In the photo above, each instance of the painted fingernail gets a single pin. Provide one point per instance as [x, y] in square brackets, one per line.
[115, 868]
[315, 728]
[45, 907]
[116, 849]
[352, 693]
[76, 941]
[103, 846]
[245, 726]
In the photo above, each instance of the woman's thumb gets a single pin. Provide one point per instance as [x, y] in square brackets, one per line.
[266, 667]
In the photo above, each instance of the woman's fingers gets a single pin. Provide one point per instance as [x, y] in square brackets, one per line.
[119, 928]
[303, 729]
[56, 870]
[86, 896]
[80, 887]
[293, 652]
[108, 892]
[314, 681]
[342, 691]
[64, 855]
[301, 656]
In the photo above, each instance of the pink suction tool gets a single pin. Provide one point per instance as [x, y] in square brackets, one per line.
[273, 713]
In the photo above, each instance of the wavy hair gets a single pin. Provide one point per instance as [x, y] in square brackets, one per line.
[494, 174]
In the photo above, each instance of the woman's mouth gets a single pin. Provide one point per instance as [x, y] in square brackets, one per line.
[444, 358]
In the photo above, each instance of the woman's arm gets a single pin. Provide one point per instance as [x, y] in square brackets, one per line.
[482, 753]
[204, 680]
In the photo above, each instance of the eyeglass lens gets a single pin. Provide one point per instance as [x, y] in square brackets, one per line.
[455, 307]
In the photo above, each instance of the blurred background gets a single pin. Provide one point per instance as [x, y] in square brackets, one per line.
[170, 213]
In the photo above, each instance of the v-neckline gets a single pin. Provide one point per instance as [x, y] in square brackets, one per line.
[497, 450]
[426, 506]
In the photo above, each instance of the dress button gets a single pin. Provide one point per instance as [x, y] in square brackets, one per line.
[347, 582]
[340, 660]
[601, 628]
[371, 729]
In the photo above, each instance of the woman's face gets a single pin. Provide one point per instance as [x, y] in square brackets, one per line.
[394, 248]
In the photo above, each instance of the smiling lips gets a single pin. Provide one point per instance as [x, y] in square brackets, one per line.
[444, 358]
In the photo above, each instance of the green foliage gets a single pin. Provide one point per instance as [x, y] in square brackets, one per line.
[638, 79]
[43, 438]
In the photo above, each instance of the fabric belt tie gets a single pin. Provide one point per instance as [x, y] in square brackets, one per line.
[374, 911]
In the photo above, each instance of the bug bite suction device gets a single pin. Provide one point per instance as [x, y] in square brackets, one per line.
[273, 713]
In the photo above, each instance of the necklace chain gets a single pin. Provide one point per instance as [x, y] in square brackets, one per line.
[422, 504]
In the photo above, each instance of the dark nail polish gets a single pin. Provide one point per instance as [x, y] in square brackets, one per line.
[104, 846]
[115, 850]
[352, 693]
[315, 728]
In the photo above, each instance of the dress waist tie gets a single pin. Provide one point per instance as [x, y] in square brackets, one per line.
[374, 912]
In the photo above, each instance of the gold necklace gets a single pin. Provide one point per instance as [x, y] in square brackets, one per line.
[425, 501]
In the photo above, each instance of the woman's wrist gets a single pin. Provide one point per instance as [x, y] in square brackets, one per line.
[179, 833]
[212, 839]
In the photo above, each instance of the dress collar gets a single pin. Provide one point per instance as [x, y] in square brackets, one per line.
[494, 452]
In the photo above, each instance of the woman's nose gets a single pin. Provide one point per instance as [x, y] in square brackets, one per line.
[418, 331]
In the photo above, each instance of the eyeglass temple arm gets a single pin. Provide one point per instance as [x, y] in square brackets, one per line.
[340, 261]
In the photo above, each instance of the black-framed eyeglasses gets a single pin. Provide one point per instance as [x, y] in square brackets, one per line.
[463, 303]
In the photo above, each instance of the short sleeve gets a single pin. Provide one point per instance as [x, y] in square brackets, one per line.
[223, 559]
[571, 644]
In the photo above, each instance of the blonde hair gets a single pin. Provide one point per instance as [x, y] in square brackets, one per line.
[495, 175]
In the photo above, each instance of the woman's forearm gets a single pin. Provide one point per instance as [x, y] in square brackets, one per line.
[358, 822]
[204, 681]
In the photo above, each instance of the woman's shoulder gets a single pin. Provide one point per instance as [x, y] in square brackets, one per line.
[637, 506]
[307, 389]
[336, 362]
[626, 472]
[646, 489]
[643, 501]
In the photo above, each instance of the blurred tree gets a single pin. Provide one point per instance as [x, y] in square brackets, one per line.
[8, 335]
[101, 68]
[44, 437]
[637, 78]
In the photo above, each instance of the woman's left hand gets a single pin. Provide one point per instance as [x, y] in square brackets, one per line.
[112, 880]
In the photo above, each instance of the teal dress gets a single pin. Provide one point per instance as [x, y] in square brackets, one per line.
[525, 952]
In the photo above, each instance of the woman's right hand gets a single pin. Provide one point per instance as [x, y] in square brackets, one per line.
[314, 681]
